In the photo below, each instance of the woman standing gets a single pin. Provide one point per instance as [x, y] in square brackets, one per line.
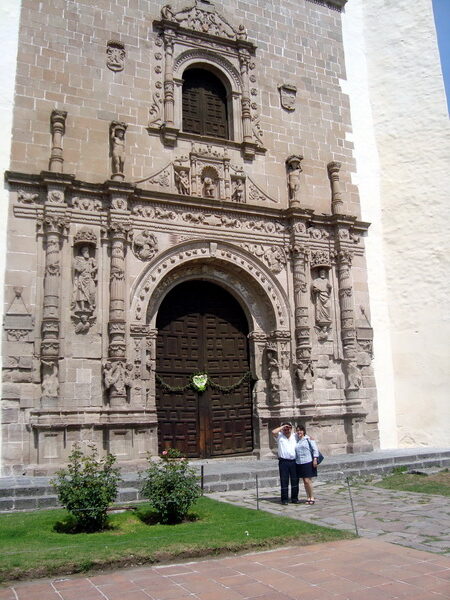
[306, 454]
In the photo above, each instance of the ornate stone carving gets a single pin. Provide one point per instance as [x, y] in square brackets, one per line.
[203, 19]
[354, 379]
[84, 291]
[256, 194]
[57, 128]
[50, 383]
[55, 196]
[27, 197]
[318, 233]
[336, 196]
[18, 322]
[288, 94]
[117, 142]
[118, 377]
[238, 194]
[145, 245]
[320, 258]
[293, 165]
[86, 204]
[321, 290]
[115, 55]
[155, 110]
[85, 236]
[274, 256]
[182, 182]
[304, 373]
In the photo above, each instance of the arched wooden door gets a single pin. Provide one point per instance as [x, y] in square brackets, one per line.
[202, 328]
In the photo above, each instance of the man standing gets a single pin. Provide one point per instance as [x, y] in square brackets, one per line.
[286, 462]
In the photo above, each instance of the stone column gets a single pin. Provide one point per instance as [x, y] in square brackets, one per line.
[54, 226]
[244, 60]
[303, 367]
[169, 101]
[118, 382]
[348, 332]
[336, 195]
[57, 128]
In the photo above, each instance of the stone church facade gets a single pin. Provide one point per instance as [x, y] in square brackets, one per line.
[185, 261]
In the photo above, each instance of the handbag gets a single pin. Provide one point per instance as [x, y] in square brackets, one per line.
[319, 458]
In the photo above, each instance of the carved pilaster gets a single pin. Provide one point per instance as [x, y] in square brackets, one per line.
[299, 256]
[168, 130]
[348, 332]
[57, 128]
[54, 226]
[244, 60]
[336, 195]
[118, 234]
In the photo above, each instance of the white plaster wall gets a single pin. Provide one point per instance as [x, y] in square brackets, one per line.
[403, 132]
[9, 35]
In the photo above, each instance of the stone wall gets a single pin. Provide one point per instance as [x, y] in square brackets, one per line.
[112, 205]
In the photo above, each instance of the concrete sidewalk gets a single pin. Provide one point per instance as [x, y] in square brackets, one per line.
[359, 569]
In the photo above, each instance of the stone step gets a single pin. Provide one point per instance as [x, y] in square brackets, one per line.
[32, 493]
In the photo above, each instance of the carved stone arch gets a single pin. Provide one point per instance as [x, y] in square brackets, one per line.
[260, 294]
[206, 59]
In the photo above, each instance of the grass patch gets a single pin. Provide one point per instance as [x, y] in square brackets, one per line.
[439, 483]
[40, 544]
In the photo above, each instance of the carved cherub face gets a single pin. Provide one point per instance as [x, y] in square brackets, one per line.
[119, 133]
[85, 251]
[322, 274]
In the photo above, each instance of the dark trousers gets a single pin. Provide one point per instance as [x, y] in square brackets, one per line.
[288, 471]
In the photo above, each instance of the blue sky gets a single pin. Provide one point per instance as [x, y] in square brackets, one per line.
[442, 19]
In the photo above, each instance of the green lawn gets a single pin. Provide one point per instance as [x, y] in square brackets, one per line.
[422, 484]
[30, 547]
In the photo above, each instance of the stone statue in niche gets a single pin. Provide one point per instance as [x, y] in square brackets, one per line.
[305, 375]
[50, 383]
[321, 291]
[117, 138]
[273, 367]
[354, 379]
[115, 56]
[293, 164]
[84, 285]
[145, 245]
[117, 377]
[182, 182]
[238, 194]
[209, 187]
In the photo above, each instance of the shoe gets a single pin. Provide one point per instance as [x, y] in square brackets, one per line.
[311, 501]
[294, 501]
[285, 503]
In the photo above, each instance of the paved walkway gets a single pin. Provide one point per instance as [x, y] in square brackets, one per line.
[420, 521]
[359, 569]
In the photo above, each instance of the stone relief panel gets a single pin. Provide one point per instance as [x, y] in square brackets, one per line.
[273, 256]
[144, 244]
[206, 172]
[115, 55]
[18, 322]
[288, 95]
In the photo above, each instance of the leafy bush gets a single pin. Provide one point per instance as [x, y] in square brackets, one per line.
[171, 453]
[87, 487]
[172, 488]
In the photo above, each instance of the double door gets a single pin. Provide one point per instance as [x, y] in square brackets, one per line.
[202, 329]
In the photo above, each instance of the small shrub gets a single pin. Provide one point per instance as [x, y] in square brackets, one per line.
[171, 488]
[171, 453]
[87, 487]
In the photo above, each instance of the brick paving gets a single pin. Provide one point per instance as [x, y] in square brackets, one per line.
[360, 569]
[420, 521]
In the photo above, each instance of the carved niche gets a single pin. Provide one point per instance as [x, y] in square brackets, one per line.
[84, 286]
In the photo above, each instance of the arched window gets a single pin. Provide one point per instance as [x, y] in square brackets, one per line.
[204, 104]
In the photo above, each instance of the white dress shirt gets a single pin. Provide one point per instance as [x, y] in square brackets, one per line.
[286, 446]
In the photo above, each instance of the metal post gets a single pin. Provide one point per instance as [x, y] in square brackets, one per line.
[202, 472]
[257, 492]
[351, 502]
